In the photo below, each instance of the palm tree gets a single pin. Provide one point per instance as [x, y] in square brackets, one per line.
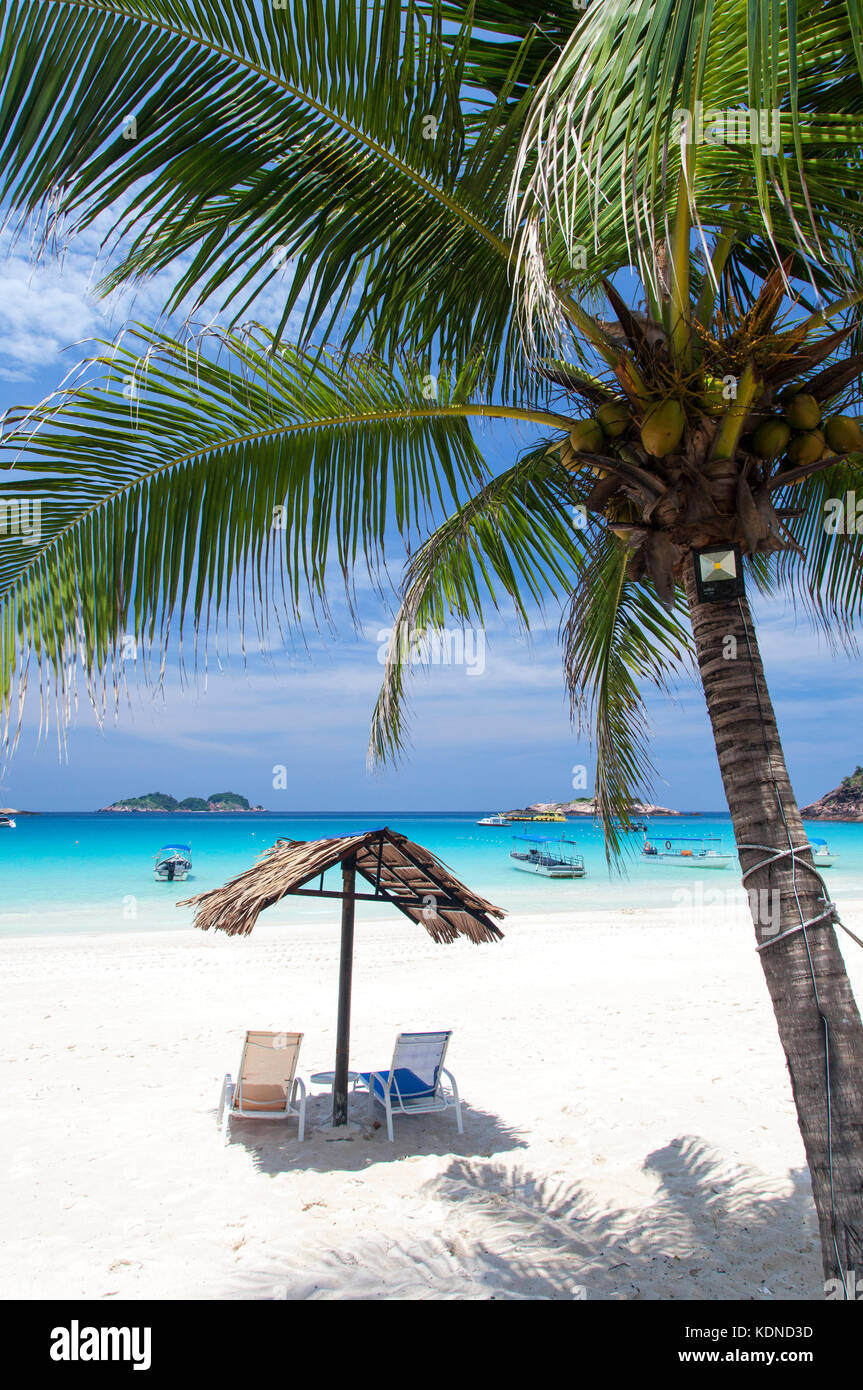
[633, 227]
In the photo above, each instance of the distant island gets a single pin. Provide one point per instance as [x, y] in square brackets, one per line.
[161, 802]
[586, 806]
[845, 802]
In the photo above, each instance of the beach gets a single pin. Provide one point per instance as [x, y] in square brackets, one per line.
[629, 1128]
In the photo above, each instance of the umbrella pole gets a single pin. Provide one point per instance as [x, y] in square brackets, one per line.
[343, 1025]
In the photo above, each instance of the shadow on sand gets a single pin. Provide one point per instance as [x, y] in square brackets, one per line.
[486, 1230]
[276, 1149]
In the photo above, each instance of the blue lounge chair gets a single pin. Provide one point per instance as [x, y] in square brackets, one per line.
[414, 1084]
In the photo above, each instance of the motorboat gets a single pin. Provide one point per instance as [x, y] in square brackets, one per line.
[6, 823]
[822, 856]
[499, 819]
[688, 852]
[172, 864]
[550, 858]
[629, 827]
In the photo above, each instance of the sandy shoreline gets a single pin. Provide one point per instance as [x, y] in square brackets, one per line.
[629, 1126]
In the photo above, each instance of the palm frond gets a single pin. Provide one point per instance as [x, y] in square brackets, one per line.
[502, 31]
[518, 538]
[320, 150]
[178, 479]
[601, 162]
[823, 573]
[616, 637]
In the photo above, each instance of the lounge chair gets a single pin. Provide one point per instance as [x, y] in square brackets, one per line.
[267, 1087]
[414, 1084]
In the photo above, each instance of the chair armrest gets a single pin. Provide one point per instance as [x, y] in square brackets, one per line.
[227, 1096]
[451, 1079]
[299, 1082]
[386, 1086]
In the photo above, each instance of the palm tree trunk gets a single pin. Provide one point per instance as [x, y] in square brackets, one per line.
[818, 1020]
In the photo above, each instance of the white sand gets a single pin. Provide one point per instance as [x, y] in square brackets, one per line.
[629, 1125]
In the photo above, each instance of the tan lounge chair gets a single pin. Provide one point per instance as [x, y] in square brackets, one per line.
[267, 1086]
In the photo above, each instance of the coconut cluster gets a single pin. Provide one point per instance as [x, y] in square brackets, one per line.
[661, 429]
[799, 432]
[802, 435]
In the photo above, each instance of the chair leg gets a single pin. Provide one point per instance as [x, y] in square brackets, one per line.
[299, 1086]
[458, 1118]
[456, 1100]
[390, 1135]
[225, 1104]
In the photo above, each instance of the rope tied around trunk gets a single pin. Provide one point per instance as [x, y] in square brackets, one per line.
[830, 912]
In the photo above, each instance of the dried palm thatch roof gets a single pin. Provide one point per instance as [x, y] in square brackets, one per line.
[399, 871]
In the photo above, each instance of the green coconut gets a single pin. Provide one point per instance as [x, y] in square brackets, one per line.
[663, 428]
[771, 439]
[614, 417]
[803, 412]
[843, 434]
[587, 436]
[806, 448]
[712, 396]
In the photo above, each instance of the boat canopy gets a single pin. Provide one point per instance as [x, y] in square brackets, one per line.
[545, 839]
[178, 849]
[692, 839]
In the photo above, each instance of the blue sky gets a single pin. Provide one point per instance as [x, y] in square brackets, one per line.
[484, 739]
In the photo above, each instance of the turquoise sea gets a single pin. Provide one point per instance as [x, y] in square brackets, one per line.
[63, 873]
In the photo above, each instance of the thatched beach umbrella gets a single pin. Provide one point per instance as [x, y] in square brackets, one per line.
[399, 872]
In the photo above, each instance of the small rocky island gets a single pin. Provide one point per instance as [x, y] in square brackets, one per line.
[845, 802]
[162, 803]
[586, 806]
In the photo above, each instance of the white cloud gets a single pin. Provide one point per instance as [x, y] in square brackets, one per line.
[42, 310]
[49, 309]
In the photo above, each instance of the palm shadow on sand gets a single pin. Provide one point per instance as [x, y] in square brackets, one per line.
[714, 1230]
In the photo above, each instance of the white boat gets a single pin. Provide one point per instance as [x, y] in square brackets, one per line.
[172, 864]
[688, 852]
[6, 822]
[499, 819]
[549, 858]
[822, 856]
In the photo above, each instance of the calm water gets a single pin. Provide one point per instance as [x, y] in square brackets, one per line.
[81, 873]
